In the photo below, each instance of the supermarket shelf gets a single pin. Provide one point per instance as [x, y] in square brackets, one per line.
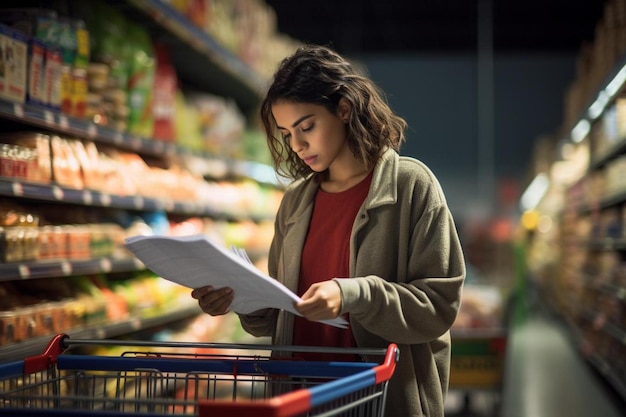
[199, 59]
[606, 202]
[34, 346]
[44, 192]
[201, 64]
[597, 361]
[607, 244]
[56, 121]
[65, 267]
[614, 290]
[612, 84]
[613, 199]
[606, 327]
[611, 290]
[616, 150]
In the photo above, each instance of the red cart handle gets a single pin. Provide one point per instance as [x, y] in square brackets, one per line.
[46, 359]
[385, 370]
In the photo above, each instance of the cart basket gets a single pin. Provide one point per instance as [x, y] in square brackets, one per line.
[202, 379]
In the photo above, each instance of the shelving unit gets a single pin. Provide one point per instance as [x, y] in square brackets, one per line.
[171, 314]
[202, 64]
[59, 268]
[200, 60]
[585, 278]
[33, 191]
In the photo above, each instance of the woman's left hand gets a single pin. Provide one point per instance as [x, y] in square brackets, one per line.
[322, 301]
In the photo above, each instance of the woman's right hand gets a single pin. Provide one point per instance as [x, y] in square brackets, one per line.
[212, 301]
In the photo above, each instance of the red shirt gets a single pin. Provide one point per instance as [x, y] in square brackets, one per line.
[326, 255]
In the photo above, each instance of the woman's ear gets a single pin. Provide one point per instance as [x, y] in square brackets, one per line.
[343, 109]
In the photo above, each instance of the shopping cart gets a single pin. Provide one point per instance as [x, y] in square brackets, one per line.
[203, 379]
[477, 365]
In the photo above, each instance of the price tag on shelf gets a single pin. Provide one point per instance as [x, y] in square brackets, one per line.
[135, 323]
[66, 268]
[105, 200]
[24, 271]
[92, 130]
[139, 202]
[48, 117]
[57, 192]
[105, 265]
[18, 110]
[87, 198]
[18, 189]
[64, 122]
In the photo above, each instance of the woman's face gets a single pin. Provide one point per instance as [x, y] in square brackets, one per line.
[316, 135]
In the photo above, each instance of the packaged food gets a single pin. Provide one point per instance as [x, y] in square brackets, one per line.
[36, 89]
[65, 164]
[164, 99]
[53, 78]
[79, 93]
[18, 234]
[140, 82]
[81, 60]
[97, 76]
[8, 322]
[14, 160]
[67, 88]
[109, 43]
[47, 31]
[39, 26]
[37, 164]
[13, 64]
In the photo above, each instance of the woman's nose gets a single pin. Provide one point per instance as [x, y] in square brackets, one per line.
[297, 144]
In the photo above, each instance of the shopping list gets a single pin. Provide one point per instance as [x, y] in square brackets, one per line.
[196, 261]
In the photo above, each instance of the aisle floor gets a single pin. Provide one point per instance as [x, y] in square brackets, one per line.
[545, 377]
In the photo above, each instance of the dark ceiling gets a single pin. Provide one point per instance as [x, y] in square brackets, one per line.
[387, 26]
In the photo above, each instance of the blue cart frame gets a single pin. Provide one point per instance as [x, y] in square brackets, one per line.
[172, 378]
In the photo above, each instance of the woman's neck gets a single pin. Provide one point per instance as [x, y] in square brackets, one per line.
[338, 180]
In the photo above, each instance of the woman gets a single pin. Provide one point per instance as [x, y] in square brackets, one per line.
[362, 232]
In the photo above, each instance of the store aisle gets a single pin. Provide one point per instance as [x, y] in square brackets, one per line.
[547, 377]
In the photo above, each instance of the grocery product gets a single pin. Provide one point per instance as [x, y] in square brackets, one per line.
[13, 64]
[164, 99]
[25, 155]
[140, 81]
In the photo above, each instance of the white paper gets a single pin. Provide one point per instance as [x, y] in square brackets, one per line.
[196, 261]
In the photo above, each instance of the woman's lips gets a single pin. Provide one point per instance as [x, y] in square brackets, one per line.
[309, 159]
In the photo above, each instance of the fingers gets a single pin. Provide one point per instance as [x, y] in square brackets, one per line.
[214, 302]
[322, 301]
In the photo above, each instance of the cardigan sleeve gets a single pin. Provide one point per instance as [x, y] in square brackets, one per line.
[423, 305]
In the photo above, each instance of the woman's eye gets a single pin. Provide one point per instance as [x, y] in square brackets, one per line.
[286, 137]
[307, 128]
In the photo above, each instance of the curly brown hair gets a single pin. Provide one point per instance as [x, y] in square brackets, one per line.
[318, 75]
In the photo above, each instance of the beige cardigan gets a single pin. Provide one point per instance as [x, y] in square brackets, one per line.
[407, 271]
